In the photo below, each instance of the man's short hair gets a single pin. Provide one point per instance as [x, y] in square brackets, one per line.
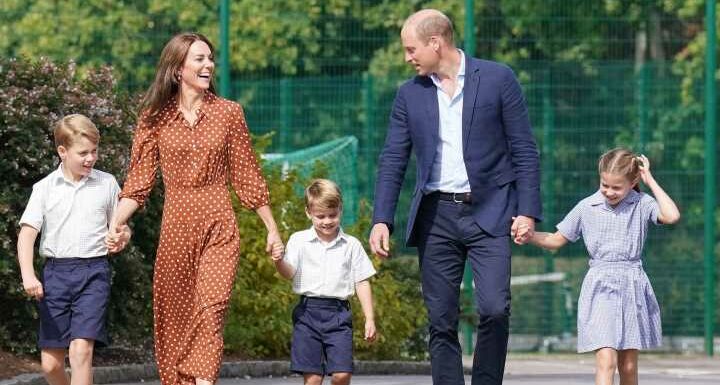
[434, 24]
[323, 194]
[68, 129]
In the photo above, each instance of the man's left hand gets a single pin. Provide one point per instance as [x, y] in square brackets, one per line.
[522, 229]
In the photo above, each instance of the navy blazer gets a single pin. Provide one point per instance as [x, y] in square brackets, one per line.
[501, 157]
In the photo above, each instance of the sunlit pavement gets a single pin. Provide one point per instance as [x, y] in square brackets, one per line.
[548, 369]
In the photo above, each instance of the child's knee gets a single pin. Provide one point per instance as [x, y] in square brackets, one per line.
[52, 366]
[606, 361]
[341, 378]
[312, 379]
[52, 363]
[81, 350]
[627, 366]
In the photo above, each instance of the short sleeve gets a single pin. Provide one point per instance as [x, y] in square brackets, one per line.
[144, 162]
[33, 214]
[650, 209]
[362, 267]
[245, 174]
[114, 195]
[292, 251]
[571, 226]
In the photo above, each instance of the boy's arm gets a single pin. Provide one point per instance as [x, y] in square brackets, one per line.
[26, 242]
[118, 236]
[550, 241]
[286, 258]
[118, 232]
[364, 294]
[284, 268]
[117, 242]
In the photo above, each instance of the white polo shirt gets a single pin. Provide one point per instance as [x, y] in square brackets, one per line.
[72, 217]
[330, 269]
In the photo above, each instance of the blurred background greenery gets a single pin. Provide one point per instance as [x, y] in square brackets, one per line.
[596, 74]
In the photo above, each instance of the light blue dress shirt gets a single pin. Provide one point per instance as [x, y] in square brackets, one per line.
[448, 170]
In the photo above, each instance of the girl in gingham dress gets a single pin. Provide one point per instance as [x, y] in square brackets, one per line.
[618, 314]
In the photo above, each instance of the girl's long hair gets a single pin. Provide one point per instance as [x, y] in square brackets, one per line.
[166, 84]
[621, 161]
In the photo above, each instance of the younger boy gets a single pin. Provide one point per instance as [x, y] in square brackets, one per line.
[326, 266]
[71, 207]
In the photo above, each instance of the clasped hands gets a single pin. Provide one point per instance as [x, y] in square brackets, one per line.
[522, 229]
[117, 238]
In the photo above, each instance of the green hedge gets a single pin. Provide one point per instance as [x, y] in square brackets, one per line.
[259, 322]
[34, 94]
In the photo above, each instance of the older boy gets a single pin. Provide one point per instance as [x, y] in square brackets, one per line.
[71, 208]
[327, 266]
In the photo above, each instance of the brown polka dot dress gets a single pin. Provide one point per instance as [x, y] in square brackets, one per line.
[199, 242]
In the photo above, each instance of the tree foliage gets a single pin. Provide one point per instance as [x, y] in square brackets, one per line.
[259, 323]
[33, 95]
[582, 64]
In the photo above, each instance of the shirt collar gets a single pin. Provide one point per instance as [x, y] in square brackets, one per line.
[341, 236]
[59, 177]
[461, 70]
[598, 199]
[174, 109]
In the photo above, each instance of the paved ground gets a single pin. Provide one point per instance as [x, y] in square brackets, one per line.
[551, 369]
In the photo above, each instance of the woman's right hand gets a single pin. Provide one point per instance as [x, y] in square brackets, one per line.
[275, 246]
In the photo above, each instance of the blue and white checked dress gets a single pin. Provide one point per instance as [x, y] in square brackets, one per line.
[617, 306]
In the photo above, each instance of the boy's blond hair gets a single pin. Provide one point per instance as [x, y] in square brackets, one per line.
[323, 194]
[68, 129]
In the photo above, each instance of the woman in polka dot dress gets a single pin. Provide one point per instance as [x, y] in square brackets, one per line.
[200, 142]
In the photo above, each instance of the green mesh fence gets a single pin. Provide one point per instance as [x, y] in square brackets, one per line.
[577, 112]
[596, 74]
[337, 156]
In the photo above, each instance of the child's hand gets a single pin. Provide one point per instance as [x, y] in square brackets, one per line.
[274, 247]
[644, 165]
[118, 238]
[370, 331]
[522, 229]
[277, 252]
[33, 287]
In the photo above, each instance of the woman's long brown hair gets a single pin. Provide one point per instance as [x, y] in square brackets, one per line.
[166, 84]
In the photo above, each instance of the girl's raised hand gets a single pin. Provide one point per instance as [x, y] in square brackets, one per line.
[644, 165]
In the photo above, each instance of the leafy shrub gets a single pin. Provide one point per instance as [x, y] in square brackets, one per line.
[259, 322]
[33, 95]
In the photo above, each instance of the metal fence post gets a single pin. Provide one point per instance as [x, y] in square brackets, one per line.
[286, 114]
[642, 99]
[225, 48]
[369, 135]
[710, 172]
[468, 327]
[548, 168]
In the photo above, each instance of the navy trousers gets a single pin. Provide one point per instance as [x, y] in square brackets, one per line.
[447, 236]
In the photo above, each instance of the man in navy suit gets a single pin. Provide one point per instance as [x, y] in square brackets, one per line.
[478, 185]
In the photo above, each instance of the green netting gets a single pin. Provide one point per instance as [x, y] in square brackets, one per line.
[596, 74]
[578, 111]
[338, 157]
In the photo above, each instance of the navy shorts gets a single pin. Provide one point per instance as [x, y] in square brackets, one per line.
[322, 336]
[77, 291]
